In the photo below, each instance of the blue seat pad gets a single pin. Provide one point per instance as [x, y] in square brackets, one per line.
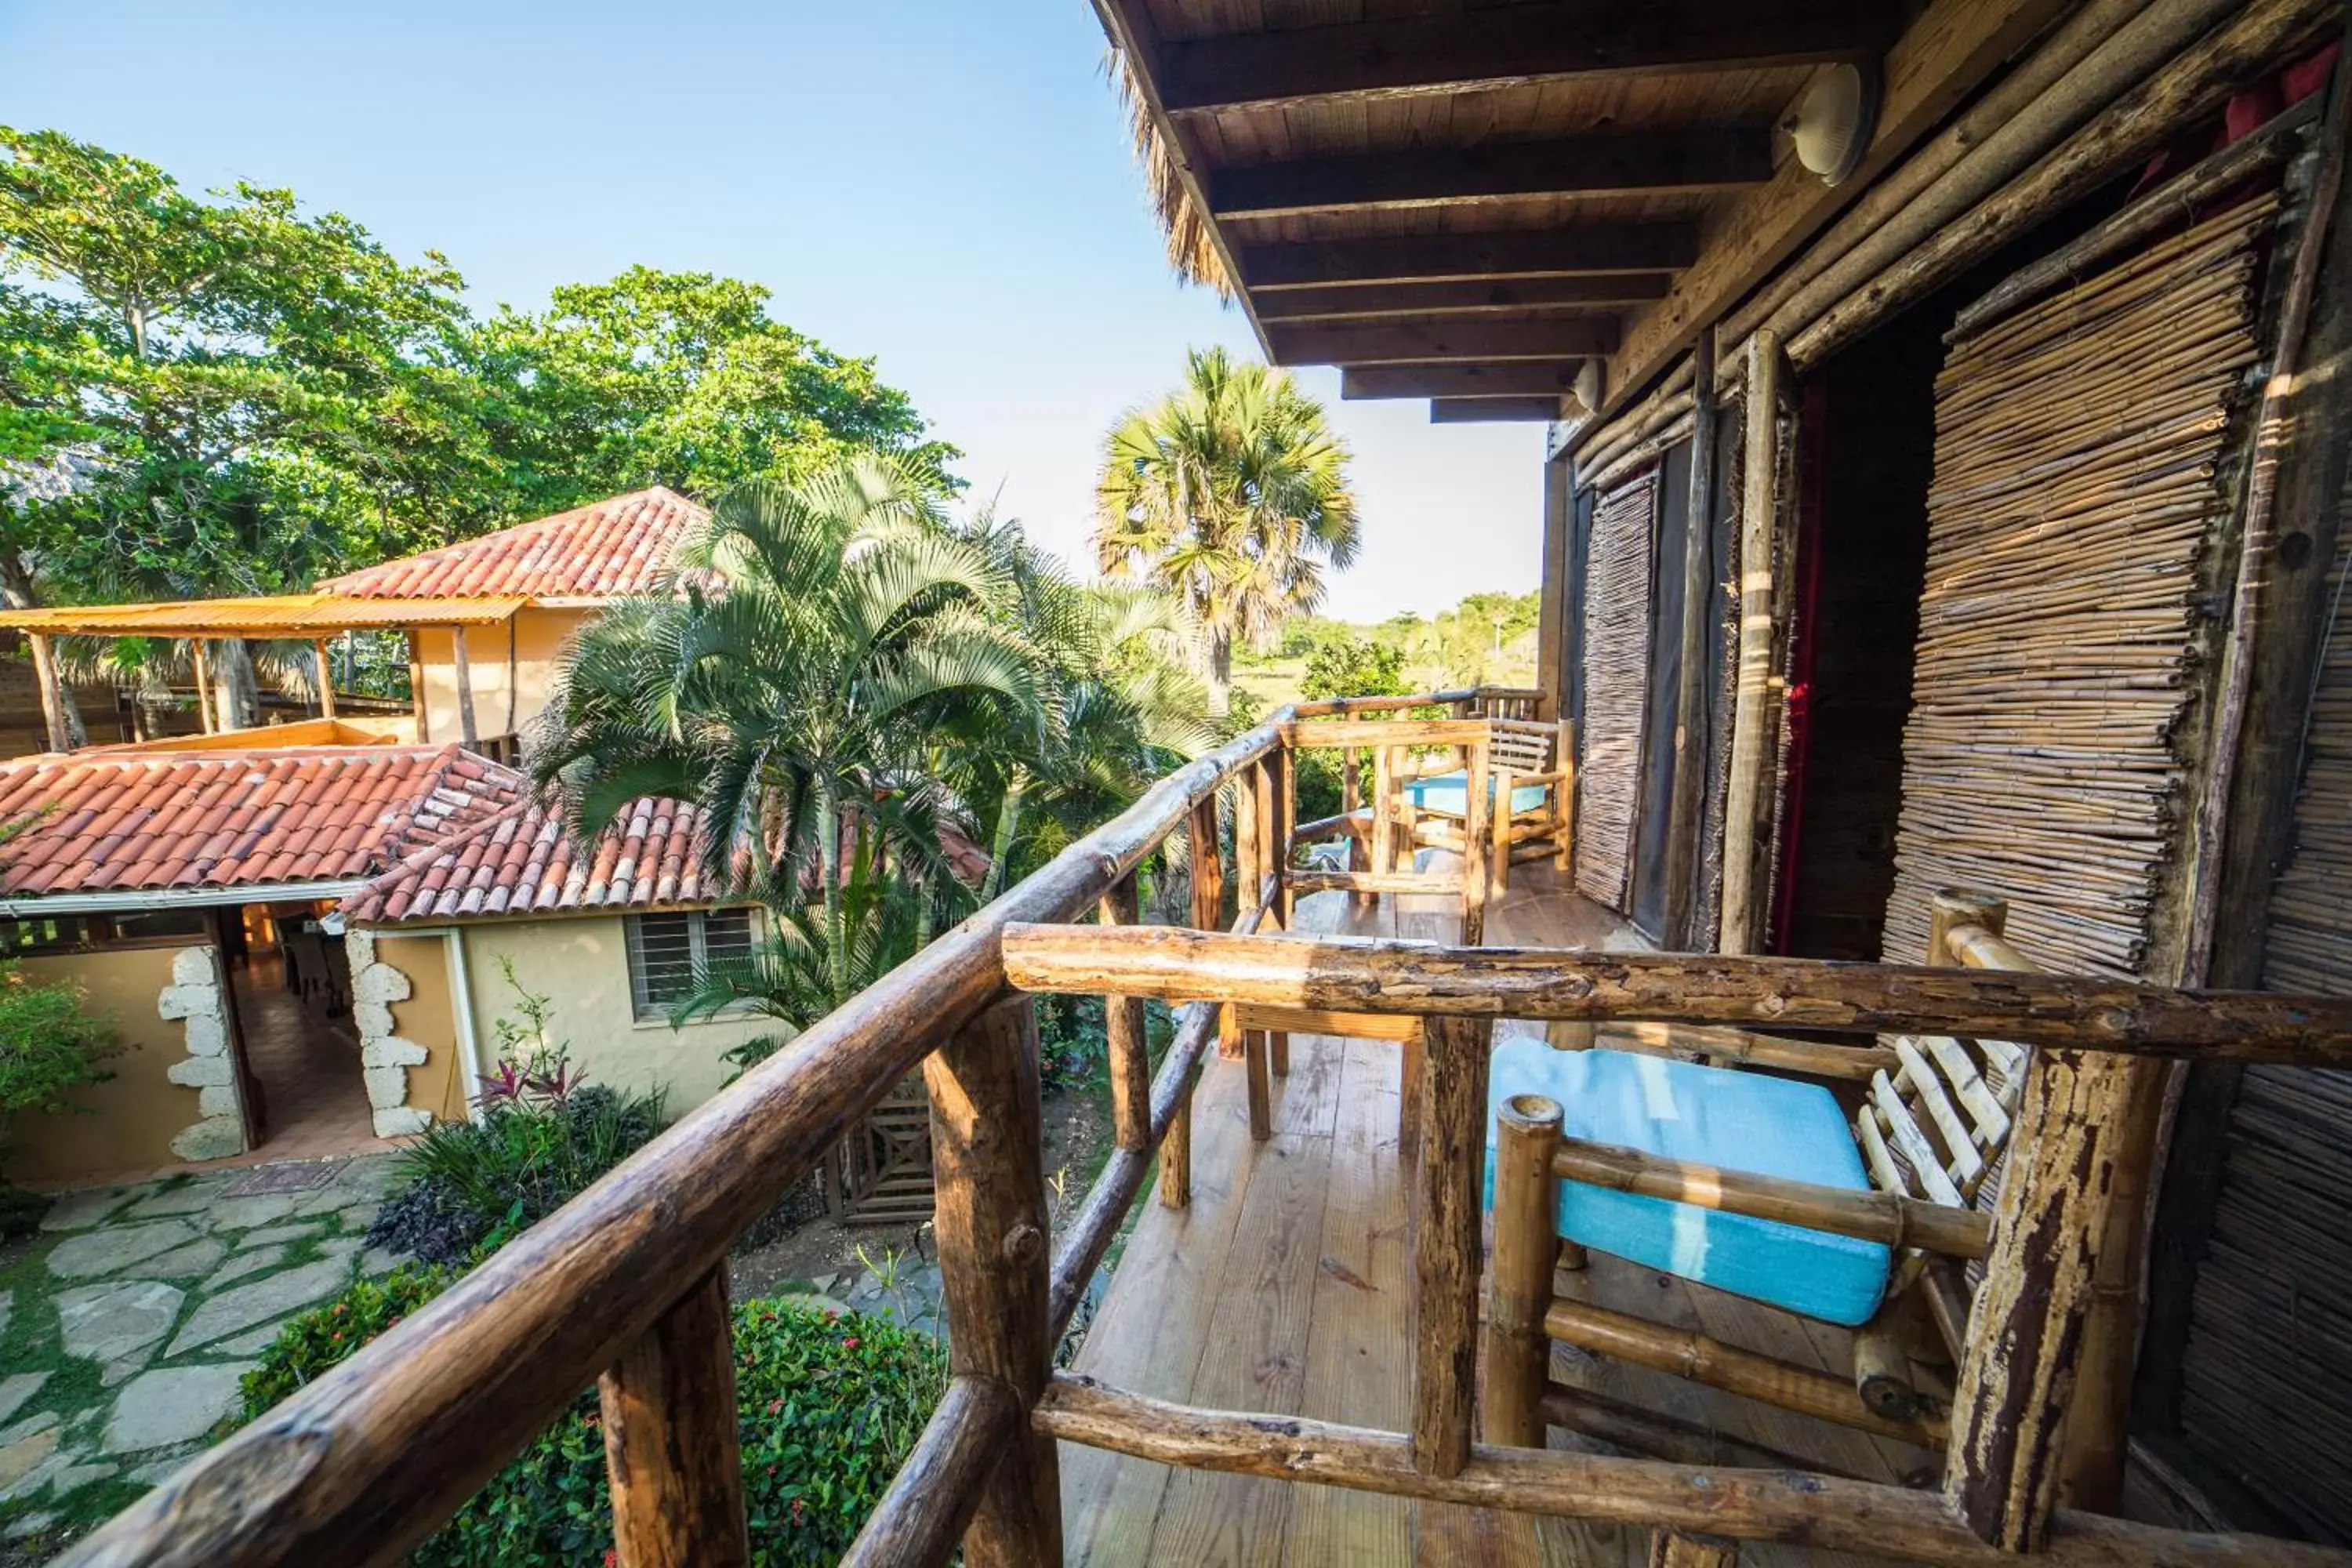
[1735, 1121]
[1448, 794]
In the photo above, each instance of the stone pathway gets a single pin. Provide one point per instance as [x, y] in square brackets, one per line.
[124, 1329]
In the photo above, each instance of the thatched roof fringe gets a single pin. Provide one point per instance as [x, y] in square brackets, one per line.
[1190, 249]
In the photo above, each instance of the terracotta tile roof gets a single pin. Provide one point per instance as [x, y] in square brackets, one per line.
[521, 861]
[612, 548]
[152, 821]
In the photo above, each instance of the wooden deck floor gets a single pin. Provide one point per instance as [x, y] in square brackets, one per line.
[1285, 1286]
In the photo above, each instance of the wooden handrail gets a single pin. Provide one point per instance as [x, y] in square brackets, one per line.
[922, 1515]
[370, 1459]
[1388, 977]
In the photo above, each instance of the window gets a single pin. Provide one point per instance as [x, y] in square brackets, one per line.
[667, 953]
[84, 933]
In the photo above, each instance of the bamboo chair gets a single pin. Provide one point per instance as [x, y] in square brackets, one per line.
[1918, 1183]
[1532, 767]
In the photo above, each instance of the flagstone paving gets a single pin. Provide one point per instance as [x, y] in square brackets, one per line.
[125, 1325]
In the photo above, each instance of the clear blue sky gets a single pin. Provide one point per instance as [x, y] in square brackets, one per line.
[943, 185]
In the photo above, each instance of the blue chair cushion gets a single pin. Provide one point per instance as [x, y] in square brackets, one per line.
[1737, 1121]
[1448, 794]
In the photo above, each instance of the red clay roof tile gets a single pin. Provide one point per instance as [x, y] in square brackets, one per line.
[156, 820]
[617, 547]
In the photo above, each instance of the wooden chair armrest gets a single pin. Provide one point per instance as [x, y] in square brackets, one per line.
[1867, 1216]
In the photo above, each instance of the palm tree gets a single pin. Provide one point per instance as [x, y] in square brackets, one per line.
[1230, 494]
[819, 633]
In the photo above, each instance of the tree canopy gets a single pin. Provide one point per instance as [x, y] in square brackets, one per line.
[262, 394]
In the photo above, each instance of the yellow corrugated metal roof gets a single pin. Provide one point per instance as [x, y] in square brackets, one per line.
[272, 615]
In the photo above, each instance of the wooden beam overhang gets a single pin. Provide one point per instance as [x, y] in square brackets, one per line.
[1525, 380]
[1698, 158]
[1508, 46]
[1372, 301]
[1493, 410]
[1405, 342]
[1557, 253]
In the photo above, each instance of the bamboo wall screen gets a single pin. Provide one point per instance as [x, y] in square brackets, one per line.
[2265, 1385]
[2082, 450]
[1616, 687]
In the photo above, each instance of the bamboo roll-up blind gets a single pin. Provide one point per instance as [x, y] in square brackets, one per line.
[1616, 686]
[2267, 1376]
[2079, 448]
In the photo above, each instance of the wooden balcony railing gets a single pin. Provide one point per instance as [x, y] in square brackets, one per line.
[624, 1286]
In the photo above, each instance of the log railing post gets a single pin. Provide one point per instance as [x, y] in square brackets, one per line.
[1447, 1223]
[1518, 1352]
[1123, 1038]
[2035, 1327]
[1384, 825]
[1476, 829]
[1208, 914]
[992, 1224]
[1277, 814]
[670, 1442]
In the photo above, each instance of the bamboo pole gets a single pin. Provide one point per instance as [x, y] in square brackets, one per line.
[1649, 1435]
[670, 1446]
[1446, 1247]
[1744, 806]
[1689, 1355]
[1821, 1511]
[992, 1225]
[1518, 1356]
[1885, 1217]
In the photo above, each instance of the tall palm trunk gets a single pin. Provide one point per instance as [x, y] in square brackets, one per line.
[1220, 671]
[236, 693]
[836, 942]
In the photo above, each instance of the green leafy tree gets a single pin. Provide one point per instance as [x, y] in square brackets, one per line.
[1353, 666]
[827, 627]
[1231, 495]
[674, 378]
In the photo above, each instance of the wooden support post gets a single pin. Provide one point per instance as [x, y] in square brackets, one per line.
[467, 730]
[992, 1227]
[1261, 1087]
[1686, 805]
[1123, 1035]
[1447, 1222]
[1384, 788]
[416, 690]
[1563, 799]
[1498, 877]
[670, 1439]
[1412, 1069]
[53, 705]
[1743, 887]
[1527, 1243]
[326, 677]
[1475, 831]
[1881, 1363]
[204, 685]
[1276, 812]
[1208, 913]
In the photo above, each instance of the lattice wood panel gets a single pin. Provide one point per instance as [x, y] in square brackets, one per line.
[887, 1160]
[2081, 449]
[1616, 687]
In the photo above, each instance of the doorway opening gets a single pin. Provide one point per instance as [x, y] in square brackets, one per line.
[289, 1006]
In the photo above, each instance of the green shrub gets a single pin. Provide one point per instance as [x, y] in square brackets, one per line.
[828, 1406]
[50, 1042]
[1351, 665]
[310, 1344]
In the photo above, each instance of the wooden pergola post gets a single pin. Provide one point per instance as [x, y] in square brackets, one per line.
[670, 1445]
[53, 706]
[1687, 806]
[204, 685]
[1744, 800]
[466, 730]
[326, 678]
[992, 1228]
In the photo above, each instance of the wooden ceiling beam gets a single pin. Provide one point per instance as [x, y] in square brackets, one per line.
[1407, 343]
[1704, 158]
[1508, 46]
[1530, 380]
[1493, 410]
[1553, 252]
[1342, 303]
[1943, 57]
